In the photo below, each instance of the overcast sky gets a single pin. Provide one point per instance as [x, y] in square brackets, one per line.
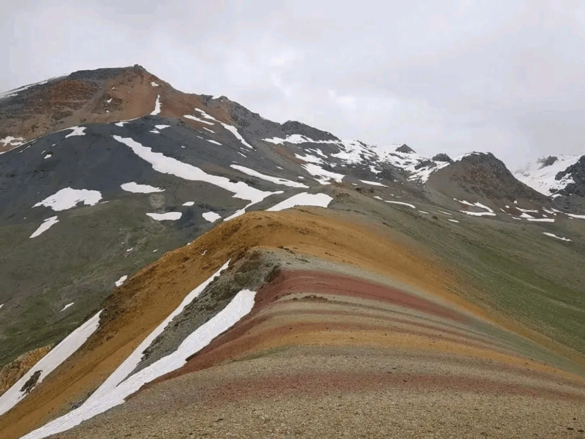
[506, 76]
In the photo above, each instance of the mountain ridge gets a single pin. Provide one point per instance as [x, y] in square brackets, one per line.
[132, 239]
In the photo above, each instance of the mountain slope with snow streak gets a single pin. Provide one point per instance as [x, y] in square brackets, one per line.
[375, 270]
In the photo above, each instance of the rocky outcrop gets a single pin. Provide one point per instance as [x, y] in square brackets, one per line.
[405, 149]
[577, 174]
[442, 157]
[16, 369]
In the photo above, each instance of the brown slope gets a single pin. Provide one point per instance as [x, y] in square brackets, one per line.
[139, 306]
[313, 335]
[99, 96]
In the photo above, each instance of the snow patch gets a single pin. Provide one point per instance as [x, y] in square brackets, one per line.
[189, 203]
[67, 306]
[68, 198]
[477, 213]
[214, 142]
[154, 84]
[46, 225]
[400, 202]
[196, 119]
[302, 199]
[453, 220]
[552, 235]
[168, 165]
[50, 362]
[140, 188]
[321, 175]
[76, 131]
[12, 141]
[168, 216]
[373, 183]
[161, 127]
[572, 215]
[211, 216]
[157, 107]
[276, 180]
[120, 281]
[542, 220]
[234, 131]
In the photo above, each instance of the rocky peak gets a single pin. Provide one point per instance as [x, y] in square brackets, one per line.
[576, 172]
[483, 175]
[87, 96]
[294, 127]
[442, 157]
[547, 161]
[405, 149]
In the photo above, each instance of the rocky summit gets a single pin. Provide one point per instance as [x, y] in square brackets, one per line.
[175, 265]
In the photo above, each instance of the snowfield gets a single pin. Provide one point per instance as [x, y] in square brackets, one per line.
[68, 198]
[542, 178]
[168, 165]
[50, 362]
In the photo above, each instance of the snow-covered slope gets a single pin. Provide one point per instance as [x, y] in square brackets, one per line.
[541, 175]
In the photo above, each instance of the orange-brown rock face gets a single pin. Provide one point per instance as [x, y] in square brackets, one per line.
[16, 369]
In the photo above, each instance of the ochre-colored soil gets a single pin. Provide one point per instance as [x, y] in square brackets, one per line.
[421, 316]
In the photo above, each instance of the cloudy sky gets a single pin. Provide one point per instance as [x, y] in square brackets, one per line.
[506, 76]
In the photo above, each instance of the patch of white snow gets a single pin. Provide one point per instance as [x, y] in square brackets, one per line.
[46, 225]
[302, 199]
[140, 188]
[68, 198]
[120, 281]
[50, 362]
[276, 180]
[168, 216]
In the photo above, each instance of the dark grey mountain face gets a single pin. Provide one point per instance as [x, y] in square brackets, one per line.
[577, 174]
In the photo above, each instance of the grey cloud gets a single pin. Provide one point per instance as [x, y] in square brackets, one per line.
[447, 75]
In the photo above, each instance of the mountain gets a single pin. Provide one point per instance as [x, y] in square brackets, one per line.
[555, 175]
[177, 265]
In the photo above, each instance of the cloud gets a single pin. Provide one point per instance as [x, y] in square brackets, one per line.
[448, 75]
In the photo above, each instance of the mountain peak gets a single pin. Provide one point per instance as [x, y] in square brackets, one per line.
[405, 149]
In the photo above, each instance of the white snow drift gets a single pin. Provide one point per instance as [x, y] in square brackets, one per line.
[68, 198]
[121, 281]
[276, 180]
[50, 361]
[302, 199]
[552, 235]
[140, 188]
[46, 225]
[168, 165]
[211, 216]
[168, 216]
